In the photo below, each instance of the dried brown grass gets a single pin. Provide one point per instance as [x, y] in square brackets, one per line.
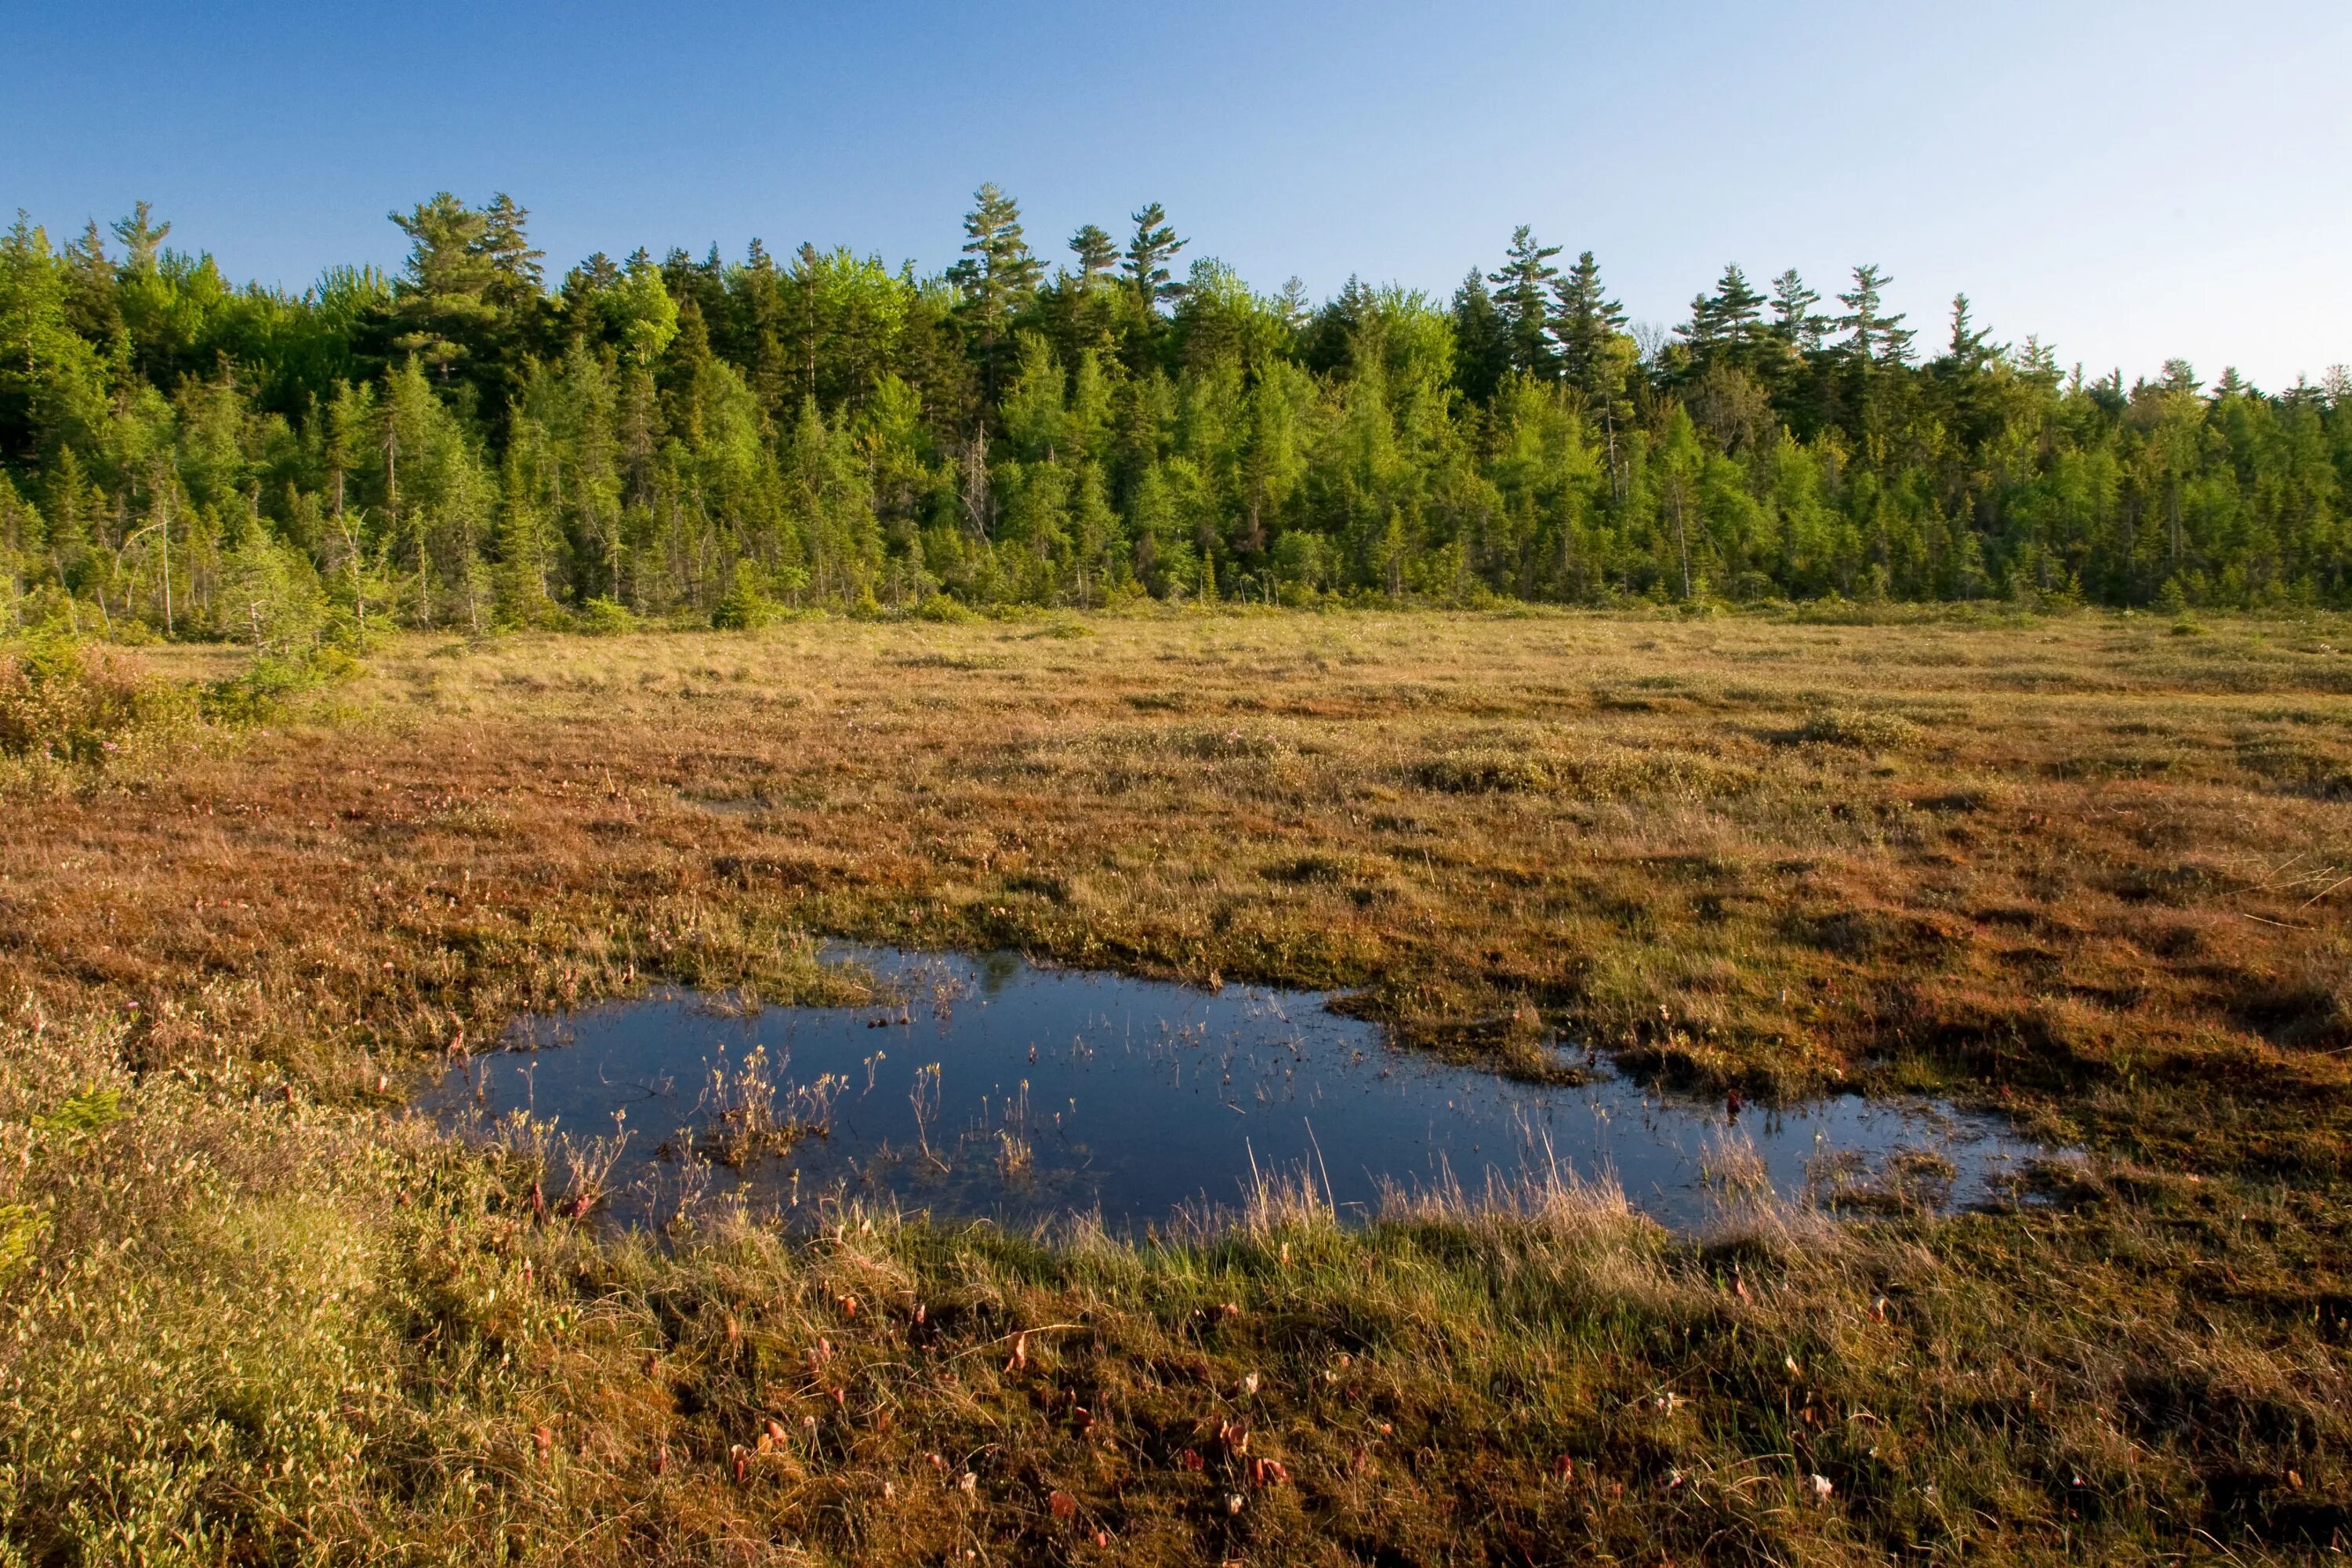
[255, 1315]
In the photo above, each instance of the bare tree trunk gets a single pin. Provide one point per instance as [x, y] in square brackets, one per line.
[1682, 537]
[359, 584]
[975, 483]
[165, 534]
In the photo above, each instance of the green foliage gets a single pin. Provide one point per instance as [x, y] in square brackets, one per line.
[460, 447]
[257, 693]
[938, 607]
[84, 1112]
[604, 617]
[20, 1232]
[746, 606]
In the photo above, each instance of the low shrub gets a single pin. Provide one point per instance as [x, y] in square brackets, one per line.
[603, 617]
[66, 701]
[945, 609]
[263, 687]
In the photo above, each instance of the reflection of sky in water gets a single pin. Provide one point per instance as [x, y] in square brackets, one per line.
[1135, 1097]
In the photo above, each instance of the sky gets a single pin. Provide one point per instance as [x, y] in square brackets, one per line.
[2131, 181]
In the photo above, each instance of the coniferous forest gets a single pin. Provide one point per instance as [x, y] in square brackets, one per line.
[475, 444]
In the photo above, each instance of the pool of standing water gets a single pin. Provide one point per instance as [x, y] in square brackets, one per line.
[994, 1087]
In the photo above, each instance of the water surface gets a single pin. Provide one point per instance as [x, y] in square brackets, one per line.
[1003, 1090]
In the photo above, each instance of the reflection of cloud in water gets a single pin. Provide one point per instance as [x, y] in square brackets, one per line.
[990, 1087]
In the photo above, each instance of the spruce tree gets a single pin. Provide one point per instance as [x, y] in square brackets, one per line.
[1586, 322]
[90, 287]
[1482, 344]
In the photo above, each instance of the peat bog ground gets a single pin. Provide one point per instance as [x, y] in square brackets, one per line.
[2080, 871]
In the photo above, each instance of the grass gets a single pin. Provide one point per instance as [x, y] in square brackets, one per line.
[2078, 869]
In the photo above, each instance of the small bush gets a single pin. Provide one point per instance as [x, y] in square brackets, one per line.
[271, 680]
[604, 617]
[65, 701]
[745, 607]
[945, 609]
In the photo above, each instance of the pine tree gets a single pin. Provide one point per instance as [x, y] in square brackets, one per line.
[516, 279]
[1877, 338]
[1971, 347]
[142, 239]
[442, 313]
[1726, 325]
[997, 274]
[1155, 245]
[998, 269]
[1794, 320]
[1521, 286]
[1096, 252]
[1972, 408]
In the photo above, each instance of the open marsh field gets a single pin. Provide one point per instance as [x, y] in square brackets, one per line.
[2082, 873]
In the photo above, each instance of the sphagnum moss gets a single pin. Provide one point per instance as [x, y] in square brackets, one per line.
[259, 1314]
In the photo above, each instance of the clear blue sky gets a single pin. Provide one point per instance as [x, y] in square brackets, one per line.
[2131, 180]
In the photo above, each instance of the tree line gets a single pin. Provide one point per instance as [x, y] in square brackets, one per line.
[465, 445]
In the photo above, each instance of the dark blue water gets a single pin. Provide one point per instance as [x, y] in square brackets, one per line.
[992, 1087]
